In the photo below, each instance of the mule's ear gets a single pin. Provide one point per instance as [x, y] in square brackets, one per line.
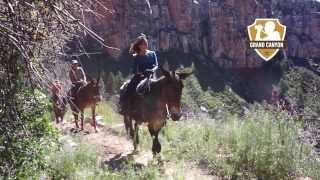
[165, 66]
[184, 75]
[99, 75]
[98, 80]
[164, 70]
[89, 78]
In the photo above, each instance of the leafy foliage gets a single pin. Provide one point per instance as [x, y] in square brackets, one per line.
[301, 87]
[218, 103]
[263, 144]
[33, 35]
[113, 82]
[27, 141]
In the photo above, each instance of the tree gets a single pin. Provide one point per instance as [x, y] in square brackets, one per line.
[32, 32]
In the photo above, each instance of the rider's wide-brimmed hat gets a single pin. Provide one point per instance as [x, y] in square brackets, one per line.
[73, 62]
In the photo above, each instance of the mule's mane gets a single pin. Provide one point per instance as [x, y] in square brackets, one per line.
[157, 84]
[155, 81]
[87, 90]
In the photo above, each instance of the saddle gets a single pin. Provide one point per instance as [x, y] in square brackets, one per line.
[75, 88]
[138, 86]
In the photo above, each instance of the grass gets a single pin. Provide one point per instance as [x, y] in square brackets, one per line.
[74, 163]
[264, 144]
[84, 161]
[256, 143]
[108, 113]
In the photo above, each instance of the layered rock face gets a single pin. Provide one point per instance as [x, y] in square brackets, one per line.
[214, 29]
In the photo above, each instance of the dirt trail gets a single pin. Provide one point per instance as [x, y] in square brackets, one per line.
[115, 147]
[107, 139]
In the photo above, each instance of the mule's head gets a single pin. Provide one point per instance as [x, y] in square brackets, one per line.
[93, 89]
[172, 91]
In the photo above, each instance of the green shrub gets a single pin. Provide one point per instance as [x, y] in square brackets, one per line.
[263, 144]
[301, 87]
[26, 142]
[73, 163]
[109, 114]
[113, 82]
[217, 102]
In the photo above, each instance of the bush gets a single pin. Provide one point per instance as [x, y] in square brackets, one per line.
[26, 143]
[218, 103]
[73, 163]
[301, 87]
[264, 144]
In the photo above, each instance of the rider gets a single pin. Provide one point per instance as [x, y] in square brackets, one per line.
[77, 77]
[56, 87]
[144, 66]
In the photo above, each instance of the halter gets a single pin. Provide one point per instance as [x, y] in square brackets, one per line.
[168, 112]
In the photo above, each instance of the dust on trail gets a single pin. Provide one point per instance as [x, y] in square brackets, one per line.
[115, 146]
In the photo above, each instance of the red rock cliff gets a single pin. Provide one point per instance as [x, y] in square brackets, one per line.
[216, 29]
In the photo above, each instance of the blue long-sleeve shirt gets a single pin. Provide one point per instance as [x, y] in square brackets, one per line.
[145, 62]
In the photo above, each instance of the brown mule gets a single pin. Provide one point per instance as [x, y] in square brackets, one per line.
[87, 96]
[165, 95]
[59, 107]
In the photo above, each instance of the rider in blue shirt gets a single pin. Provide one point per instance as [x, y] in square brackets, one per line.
[144, 66]
[145, 62]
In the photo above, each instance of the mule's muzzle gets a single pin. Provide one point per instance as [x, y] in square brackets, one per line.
[176, 116]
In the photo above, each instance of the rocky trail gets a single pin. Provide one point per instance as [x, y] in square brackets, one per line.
[115, 148]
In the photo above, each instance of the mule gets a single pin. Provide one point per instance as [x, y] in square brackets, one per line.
[59, 107]
[164, 97]
[86, 96]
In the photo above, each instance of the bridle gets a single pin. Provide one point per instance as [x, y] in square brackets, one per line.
[168, 112]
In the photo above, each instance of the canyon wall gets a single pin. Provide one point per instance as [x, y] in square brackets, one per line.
[214, 29]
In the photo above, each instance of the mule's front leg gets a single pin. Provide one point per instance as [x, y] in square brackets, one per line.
[75, 114]
[128, 125]
[156, 146]
[136, 136]
[61, 118]
[93, 108]
[56, 117]
[82, 117]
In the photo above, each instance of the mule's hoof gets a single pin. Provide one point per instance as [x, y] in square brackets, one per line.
[156, 147]
[135, 152]
[158, 160]
[74, 130]
[128, 137]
